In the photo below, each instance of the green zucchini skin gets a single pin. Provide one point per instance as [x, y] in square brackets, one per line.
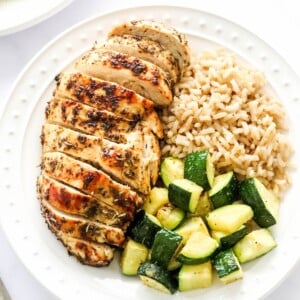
[143, 229]
[196, 169]
[184, 194]
[228, 192]
[164, 247]
[250, 195]
[225, 263]
[230, 240]
[159, 275]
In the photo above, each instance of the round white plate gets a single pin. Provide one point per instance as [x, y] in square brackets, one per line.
[16, 15]
[20, 153]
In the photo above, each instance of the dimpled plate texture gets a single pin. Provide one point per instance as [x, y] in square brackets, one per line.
[20, 153]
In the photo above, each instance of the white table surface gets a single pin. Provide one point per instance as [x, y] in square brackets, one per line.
[275, 21]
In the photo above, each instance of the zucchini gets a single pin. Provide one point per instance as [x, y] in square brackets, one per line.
[184, 194]
[174, 264]
[224, 190]
[198, 249]
[198, 167]
[171, 168]
[204, 206]
[165, 246]
[144, 228]
[228, 240]
[263, 202]
[194, 224]
[229, 218]
[132, 256]
[157, 198]
[157, 277]
[195, 276]
[170, 217]
[227, 266]
[254, 245]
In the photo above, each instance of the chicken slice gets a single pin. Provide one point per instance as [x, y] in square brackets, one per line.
[108, 96]
[168, 37]
[81, 228]
[88, 253]
[136, 74]
[145, 49]
[90, 180]
[123, 161]
[88, 119]
[71, 201]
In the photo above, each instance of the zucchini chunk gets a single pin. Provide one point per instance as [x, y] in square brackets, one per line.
[227, 266]
[195, 276]
[157, 277]
[171, 168]
[144, 228]
[165, 246]
[224, 190]
[157, 198]
[254, 245]
[132, 256]
[204, 206]
[198, 249]
[194, 224]
[170, 217]
[198, 167]
[184, 194]
[228, 240]
[263, 202]
[229, 218]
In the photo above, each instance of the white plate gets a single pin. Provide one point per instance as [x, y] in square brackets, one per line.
[16, 15]
[20, 128]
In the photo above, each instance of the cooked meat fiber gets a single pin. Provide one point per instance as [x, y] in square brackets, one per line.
[145, 49]
[90, 180]
[89, 120]
[129, 162]
[108, 96]
[168, 37]
[74, 202]
[81, 228]
[88, 253]
[100, 141]
[136, 74]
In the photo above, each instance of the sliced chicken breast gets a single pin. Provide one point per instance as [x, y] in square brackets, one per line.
[90, 180]
[133, 73]
[126, 162]
[145, 49]
[74, 202]
[108, 96]
[168, 37]
[89, 120]
[88, 253]
[81, 228]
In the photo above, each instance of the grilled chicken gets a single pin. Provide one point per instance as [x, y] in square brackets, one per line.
[91, 181]
[100, 141]
[136, 74]
[145, 49]
[168, 37]
[89, 120]
[72, 201]
[88, 253]
[108, 96]
[81, 228]
[129, 162]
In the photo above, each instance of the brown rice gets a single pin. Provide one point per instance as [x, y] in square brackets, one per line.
[220, 105]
